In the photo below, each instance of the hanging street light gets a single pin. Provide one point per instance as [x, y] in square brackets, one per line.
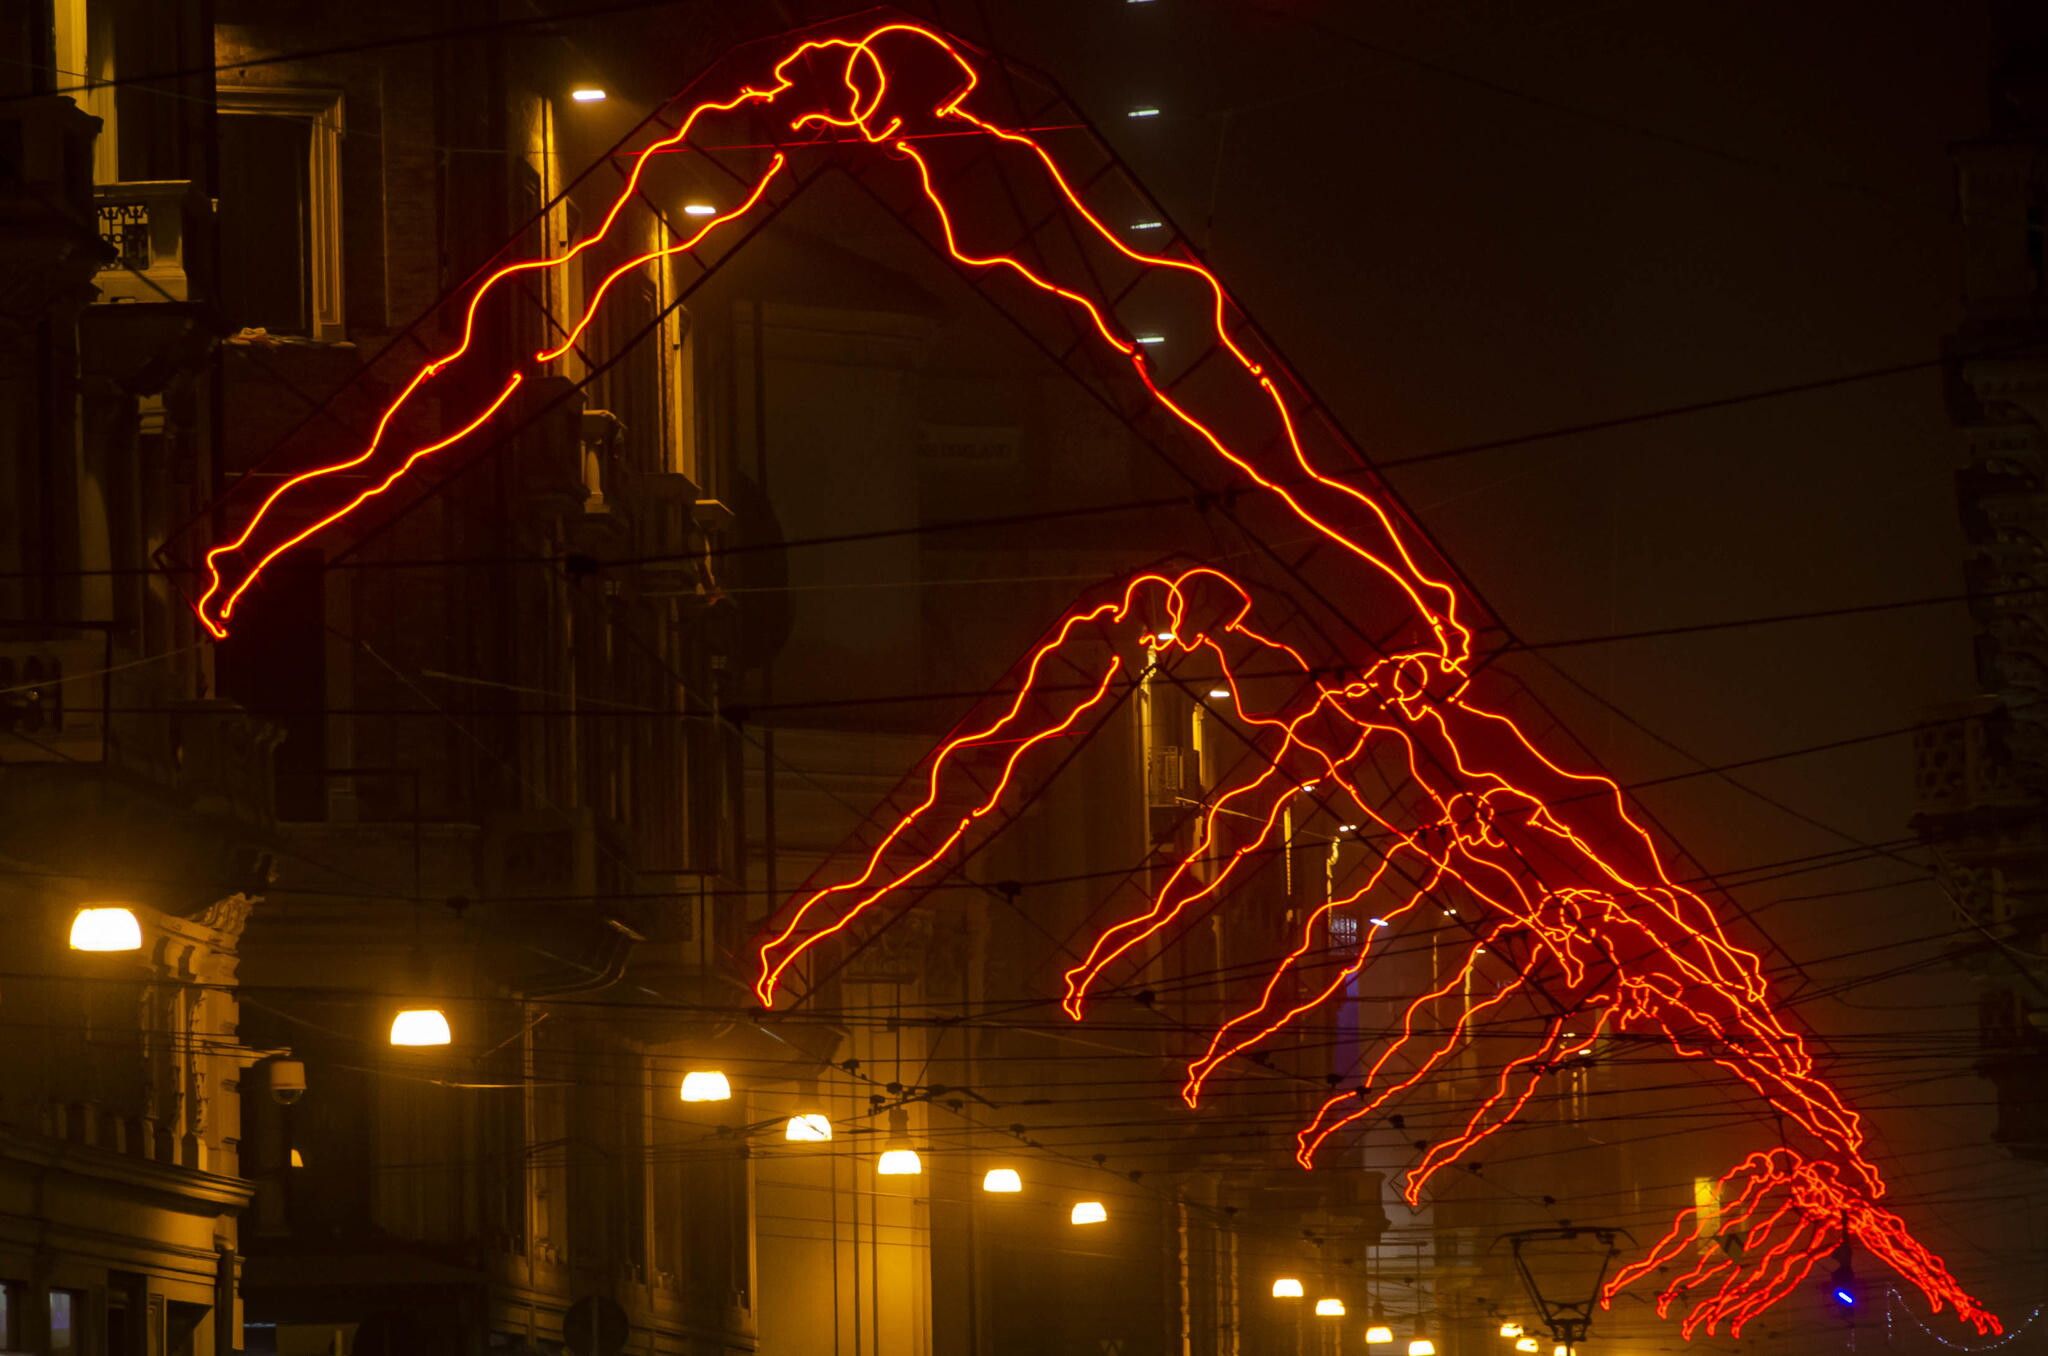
[1287, 1287]
[809, 1128]
[708, 1085]
[899, 1163]
[1002, 1181]
[106, 927]
[1421, 1346]
[421, 1027]
[898, 1158]
[1329, 1307]
[1089, 1212]
[1377, 1334]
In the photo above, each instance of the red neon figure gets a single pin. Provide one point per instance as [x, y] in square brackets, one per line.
[1567, 883]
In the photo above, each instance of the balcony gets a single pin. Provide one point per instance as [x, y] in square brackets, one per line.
[53, 696]
[48, 247]
[154, 315]
[1961, 764]
[158, 233]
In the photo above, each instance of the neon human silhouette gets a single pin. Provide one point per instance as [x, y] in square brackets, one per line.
[1574, 906]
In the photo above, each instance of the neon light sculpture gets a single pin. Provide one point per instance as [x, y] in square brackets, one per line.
[1578, 908]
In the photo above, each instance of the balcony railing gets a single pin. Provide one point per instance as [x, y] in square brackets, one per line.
[159, 232]
[53, 695]
[1961, 764]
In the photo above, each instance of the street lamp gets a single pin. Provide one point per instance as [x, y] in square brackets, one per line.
[1002, 1181]
[1510, 1330]
[106, 927]
[1329, 1307]
[1422, 1346]
[1089, 1212]
[706, 1085]
[899, 1163]
[809, 1128]
[1528, 1344]
[1287, 1287]
[587, 94]
[420, 1026]
[1378, 1334]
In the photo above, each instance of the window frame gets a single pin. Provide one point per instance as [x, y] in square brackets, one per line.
[323, 108]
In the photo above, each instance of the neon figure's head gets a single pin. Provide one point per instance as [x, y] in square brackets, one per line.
[896, 77]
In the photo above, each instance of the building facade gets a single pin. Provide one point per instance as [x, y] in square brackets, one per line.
[1983, 766]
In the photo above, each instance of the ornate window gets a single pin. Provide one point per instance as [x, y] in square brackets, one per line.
[280, 209]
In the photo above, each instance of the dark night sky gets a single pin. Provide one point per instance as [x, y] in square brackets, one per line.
[1486, 218]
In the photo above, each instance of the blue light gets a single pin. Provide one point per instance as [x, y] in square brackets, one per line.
[1845, 1297]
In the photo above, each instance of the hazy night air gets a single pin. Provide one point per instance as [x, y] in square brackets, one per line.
[1580, 915]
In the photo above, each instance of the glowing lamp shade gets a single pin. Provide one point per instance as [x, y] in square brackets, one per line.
[587, 94]
[1287, 1288]
[1089, 1212]
[1329, 1308]
[298, 1159]
[1528, 1344]
[1003, 1181]
[1560, 1350]
[706, 1085]
[699, 209]
[106, 928]
[420, 1026]
[1510, 1330]
[899, 1163]
[810, 1128]
[1422, 1346]
[1377, 1334]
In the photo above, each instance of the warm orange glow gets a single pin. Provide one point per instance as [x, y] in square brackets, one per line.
[1378, 1333]
[1089, 1212]
[1528, 1344]
[1421, 1346]
[298, 1159]
[1287, 1287]
[106, 927]
[1510, 1330]
[1607, 936]
[420, 1026]
[706, 1085]
[810, 1128]
[1002, 1181]
[899, 1163]
[1329, 1307]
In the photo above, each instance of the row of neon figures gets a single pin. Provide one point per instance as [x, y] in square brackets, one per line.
[1289, 1287]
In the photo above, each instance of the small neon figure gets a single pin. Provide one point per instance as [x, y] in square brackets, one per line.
[1575, 905]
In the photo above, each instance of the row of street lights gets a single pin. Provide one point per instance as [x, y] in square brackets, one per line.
[1377, 1334]
[1380, 1334]
[429, 1026]
[111, 928]
[115, 928]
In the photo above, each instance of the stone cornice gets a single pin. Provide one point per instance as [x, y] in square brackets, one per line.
[184, 1187]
